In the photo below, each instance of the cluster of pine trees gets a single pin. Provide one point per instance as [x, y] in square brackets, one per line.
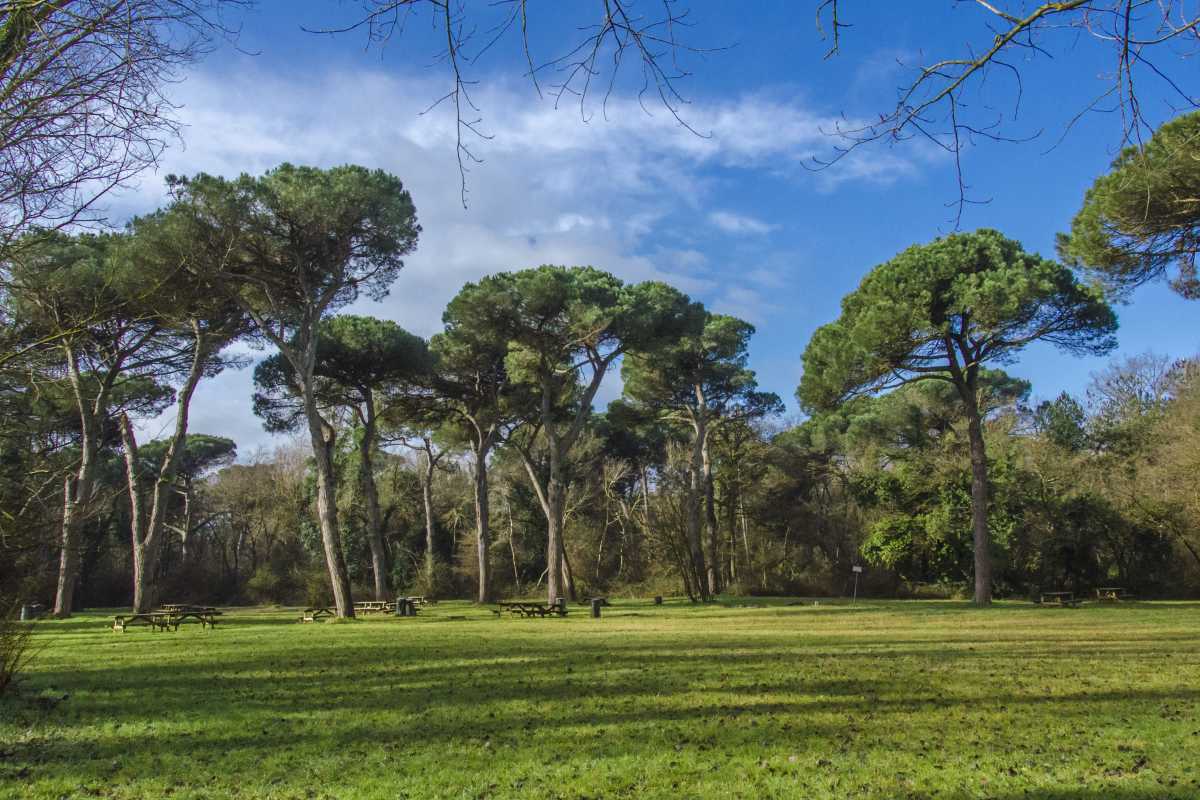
[476, 464]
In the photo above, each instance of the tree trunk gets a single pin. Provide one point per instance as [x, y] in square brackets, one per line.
[710, 517]
[482, 531]
[77, 490]
[366, 476]
[695, 499]
[147, 528]
[979, 501]
[556, 496]
[427, 498]
[322, 436]
[568, 576]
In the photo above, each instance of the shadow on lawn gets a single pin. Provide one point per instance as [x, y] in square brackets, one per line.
[325, 690]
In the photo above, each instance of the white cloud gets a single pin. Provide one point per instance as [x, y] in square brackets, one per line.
[739, 223]
[552, 189]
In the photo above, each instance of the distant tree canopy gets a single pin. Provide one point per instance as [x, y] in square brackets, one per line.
[1142, 219]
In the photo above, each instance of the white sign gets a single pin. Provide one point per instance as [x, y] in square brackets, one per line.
[857, 569]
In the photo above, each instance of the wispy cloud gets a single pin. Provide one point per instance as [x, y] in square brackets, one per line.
[739, 223]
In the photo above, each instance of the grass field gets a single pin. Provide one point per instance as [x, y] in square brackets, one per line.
[887, 700]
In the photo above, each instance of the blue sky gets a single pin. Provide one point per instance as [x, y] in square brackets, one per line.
[731, 217]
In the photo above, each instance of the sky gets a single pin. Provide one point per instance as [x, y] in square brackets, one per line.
[726, 207]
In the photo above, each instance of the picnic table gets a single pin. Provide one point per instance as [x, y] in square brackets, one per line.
[316, 613]
[523, 608]
[1064, 599]
[375, 607]
[171, 615]
[1112, 594]
[154, 620]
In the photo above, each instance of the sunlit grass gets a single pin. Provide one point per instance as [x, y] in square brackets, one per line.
[875, 700]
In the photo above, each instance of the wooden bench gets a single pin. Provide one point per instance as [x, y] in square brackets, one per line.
[1061, 599]
[1112, 594]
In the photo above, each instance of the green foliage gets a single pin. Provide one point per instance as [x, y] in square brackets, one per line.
[1142, 218]
[356, 357]
[705, 366]
[16, 648]
[962, 300]
[555, 317]
[296, 237]
[1061, 421]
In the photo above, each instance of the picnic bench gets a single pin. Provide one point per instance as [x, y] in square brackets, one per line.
[1112, 594]
[523, 608]
[154, 620]
[1061, 599]
[169, 616]
[314, 614]
[375, 607]
[176, 614]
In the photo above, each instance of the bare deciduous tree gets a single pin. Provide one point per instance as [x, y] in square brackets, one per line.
[591, 62]
[949, 100]
[82, 103]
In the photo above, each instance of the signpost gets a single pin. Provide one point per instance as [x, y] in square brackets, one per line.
[857, 571]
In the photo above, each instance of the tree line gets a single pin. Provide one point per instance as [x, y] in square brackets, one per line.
[919, 454]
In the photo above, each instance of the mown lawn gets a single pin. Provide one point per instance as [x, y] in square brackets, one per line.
[880, 700]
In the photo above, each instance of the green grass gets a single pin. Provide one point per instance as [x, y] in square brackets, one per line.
[880, 700]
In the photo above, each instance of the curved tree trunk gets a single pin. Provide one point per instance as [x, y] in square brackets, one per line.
[147, 527]
[77, 489]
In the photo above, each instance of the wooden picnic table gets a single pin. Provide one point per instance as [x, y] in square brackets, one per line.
[525, 608]
[316, 613]
[1065, 599]
[375, 607]
[176, 615]
[155, 621]
[169, 616]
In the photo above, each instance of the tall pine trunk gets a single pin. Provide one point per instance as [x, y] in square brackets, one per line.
[322, 435]
[710, 519]
[366, 476]
[979, 512]
[427, 498]
[483, 538]
[556, 496]
[695, 501]
[979, 492]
